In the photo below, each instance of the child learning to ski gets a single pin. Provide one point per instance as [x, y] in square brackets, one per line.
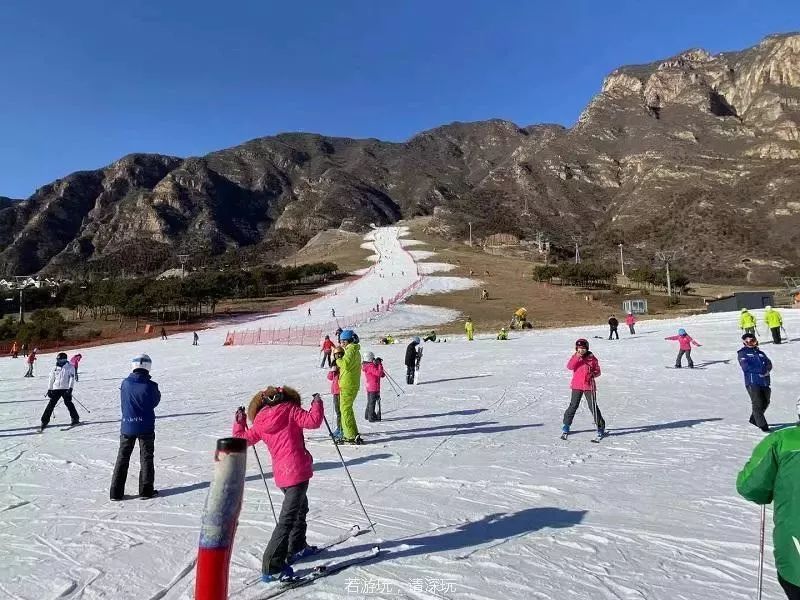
[685, 343]
[373, 371]
[278, 420]
[333, 377]
[585, 369]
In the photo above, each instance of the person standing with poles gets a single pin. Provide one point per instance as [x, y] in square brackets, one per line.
[278, 419]
[195, 338]
[747, 322]
[62, 379]
[30, 360]
[756, 367]
[327, 348]
[772, 475]
[630, 321]
[75, 361]
[373, 372]
[139, 396]
[613, 325]
[585, 369]
[349, 384]
[774, 323]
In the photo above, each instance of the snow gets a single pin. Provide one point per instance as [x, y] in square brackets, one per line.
[426, 268]
[438, 285]
[465, 478]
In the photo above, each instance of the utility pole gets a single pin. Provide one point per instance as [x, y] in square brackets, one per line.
[183, 258]
[667, 256]
[576, 241]
[21, 279]
[621, 260]
[470, 234]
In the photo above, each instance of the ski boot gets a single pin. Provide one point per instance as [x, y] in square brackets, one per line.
[564, 432]
[286, 575]
[601, 433]
[304, 553]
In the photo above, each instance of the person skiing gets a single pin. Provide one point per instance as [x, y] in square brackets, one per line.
[349, 384]
[372, 368]
[747, 322]
[773, 475]
[613, 324]
[62, 379]
[31, 359]
[333, 377]
[503, 334]
[278, 419]
[333, 313]
[630, 321]
[774, 322]
[469, 328]
[585, 369]
[75, 361]
[411, 359]
[685, 343]
[756, 367]
[309, 312]
[163, 334]
[139, 396]
[327, 348]
[24, 349]
[195, 338]
[339, 336]
[14, 350]
[431, 337]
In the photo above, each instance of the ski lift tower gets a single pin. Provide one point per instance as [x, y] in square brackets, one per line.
[667, 257]
[577, 240]
[183, 258]
[20, 285]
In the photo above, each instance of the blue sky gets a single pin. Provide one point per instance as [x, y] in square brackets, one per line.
[83, 83]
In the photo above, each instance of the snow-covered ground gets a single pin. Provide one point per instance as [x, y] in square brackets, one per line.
[471, 489]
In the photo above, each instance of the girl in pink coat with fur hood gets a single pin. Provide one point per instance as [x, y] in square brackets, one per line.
[278, 420]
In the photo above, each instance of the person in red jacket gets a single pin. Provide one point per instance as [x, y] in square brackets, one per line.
[278, 420]
[585, 369]
[327, 348]
[685, 343]
[630, 321]
[31, 359]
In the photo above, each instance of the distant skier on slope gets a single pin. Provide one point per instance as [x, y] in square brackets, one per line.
[774, 322]
[327, 348]
[469, 328]
[372, 368]
[585, 369]
[771, 476]
[502, 334]
[630, 321]
[278, 420]
[685, 343]
[75, 361]
[747, 322]
[139, 396]
[30, 360]
[613, 325]
[756, 367]
[62, 378]
[411, 359]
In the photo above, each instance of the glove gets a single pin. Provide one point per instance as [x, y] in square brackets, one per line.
[379, 360]
[70, 390]
[316, 398]
[241, 416]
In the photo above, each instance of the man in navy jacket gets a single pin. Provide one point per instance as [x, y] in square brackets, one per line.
[756, 367]
[139, 395]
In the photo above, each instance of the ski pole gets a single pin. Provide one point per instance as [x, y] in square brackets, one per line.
[594, 404]
[394, 388]
[263, 477]
[82, 405]
[346, 470]
[783, 329]
[395, 384]
[761, 551]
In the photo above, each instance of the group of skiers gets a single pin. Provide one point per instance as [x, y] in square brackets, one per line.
[772, 319]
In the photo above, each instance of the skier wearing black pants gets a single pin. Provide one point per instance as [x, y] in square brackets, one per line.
[62, 378]
[411, 360]
[756, 367]
[139, 395]
[613, 324]
[585, 369]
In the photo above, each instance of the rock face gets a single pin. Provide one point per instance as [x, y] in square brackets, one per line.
[698, 153]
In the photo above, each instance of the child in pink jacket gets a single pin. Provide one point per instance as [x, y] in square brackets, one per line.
[333, 377]
[630, 321]
[278, 420]
[75, 361]
[685, 343]
[585, 369]
[373, 371]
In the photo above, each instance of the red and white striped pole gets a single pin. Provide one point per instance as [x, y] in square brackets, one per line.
[220, 518]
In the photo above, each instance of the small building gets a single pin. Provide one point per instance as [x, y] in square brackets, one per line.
[637, 306]
[740, 300]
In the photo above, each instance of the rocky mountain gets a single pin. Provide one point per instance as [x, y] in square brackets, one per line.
[698, 153]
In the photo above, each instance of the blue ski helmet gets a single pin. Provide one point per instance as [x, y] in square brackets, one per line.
[681, 332]
[347, 335]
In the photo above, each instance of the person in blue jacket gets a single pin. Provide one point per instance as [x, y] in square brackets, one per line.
[756, 367]
[139, 395]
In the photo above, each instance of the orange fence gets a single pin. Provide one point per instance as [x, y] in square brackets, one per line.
[311, 335]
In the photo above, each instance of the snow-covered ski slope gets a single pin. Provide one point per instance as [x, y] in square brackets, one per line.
[472, 491]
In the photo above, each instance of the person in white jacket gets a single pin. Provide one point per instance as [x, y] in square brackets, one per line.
[62, 378]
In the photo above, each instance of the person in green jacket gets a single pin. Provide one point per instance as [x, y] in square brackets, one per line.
[469, 328]
[349, 384]
[747, 322]
[773, 475]
[774, 321]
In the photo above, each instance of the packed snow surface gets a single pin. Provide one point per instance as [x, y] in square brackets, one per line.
[473, 494]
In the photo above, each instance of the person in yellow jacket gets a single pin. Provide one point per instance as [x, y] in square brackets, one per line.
[469, 327]
[774, 321]
[503, 334]
[349, 385]
[747, 322]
